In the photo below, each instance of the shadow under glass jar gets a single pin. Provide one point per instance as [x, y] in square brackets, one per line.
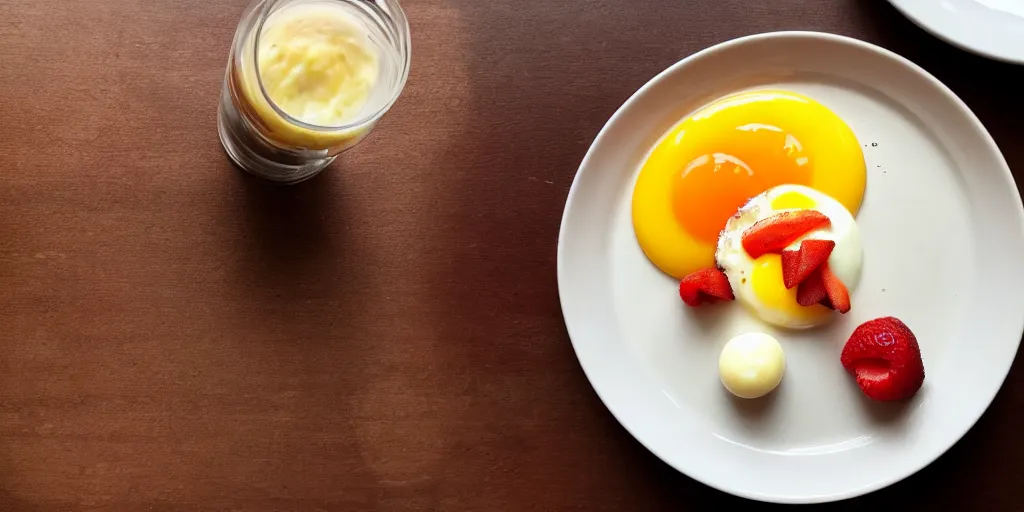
[308, 79]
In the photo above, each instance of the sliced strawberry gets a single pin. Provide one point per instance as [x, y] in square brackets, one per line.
[778, 231]
[809, 257]
[838, 295]
[884, 356]
[790, 268]
[812, 290]
[705, 285]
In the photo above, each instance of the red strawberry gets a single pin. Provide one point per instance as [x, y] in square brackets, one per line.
[778, 231]
[838, 295]
[798, 265]
[790, 267]
[812, 290]
[885, 358]
[705, 285]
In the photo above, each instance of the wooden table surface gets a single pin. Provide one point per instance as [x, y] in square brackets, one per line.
[177, 336]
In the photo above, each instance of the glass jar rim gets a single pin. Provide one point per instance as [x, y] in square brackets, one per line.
[395, 17]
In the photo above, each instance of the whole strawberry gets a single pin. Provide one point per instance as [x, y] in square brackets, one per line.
[885, 358]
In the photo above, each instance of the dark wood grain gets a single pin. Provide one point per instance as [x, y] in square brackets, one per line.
[176, 336]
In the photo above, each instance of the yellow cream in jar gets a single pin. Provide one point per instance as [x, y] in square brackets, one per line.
[318, 66]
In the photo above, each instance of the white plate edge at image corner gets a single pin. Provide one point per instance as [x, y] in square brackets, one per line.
[608, 394]
[982, 27]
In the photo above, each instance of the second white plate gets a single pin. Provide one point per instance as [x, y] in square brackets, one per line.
[992, 28]
[943, 235]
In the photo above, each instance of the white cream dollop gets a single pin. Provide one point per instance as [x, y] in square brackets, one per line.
[751, 365]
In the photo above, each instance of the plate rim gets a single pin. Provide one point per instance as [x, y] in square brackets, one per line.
[923, 14]
[969, 115]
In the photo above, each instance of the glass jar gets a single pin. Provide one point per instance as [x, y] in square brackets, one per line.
[308, 79]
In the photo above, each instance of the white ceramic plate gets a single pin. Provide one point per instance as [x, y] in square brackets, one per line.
[993, 28]
[943, 235]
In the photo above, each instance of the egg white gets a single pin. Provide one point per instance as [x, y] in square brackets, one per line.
[845, 260]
